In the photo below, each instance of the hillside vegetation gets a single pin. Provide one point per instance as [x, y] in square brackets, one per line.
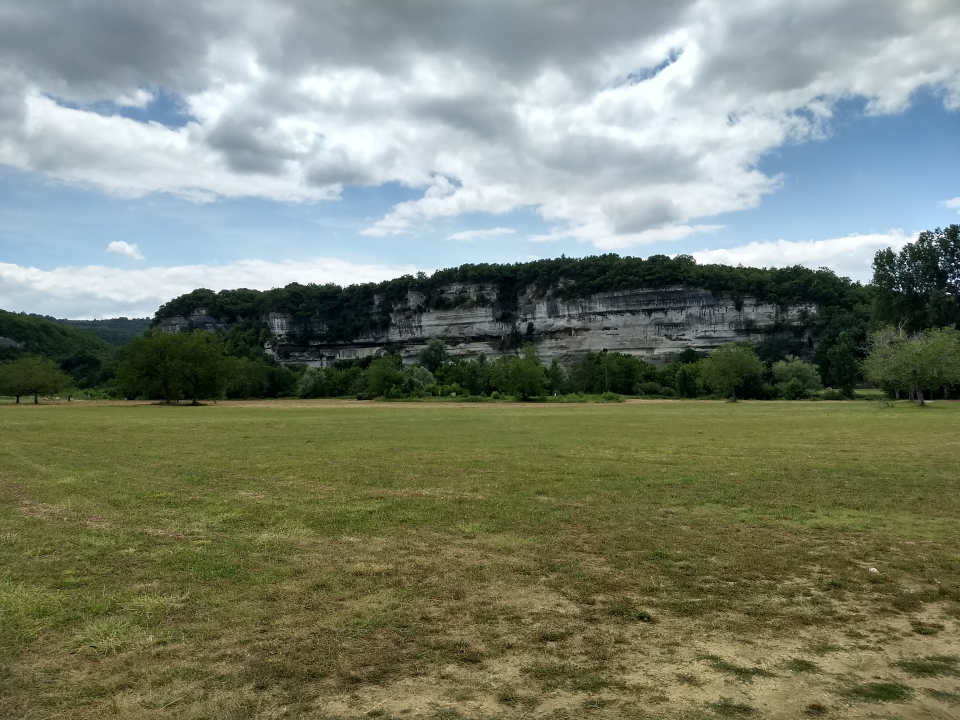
[116, 331]
[80, 353]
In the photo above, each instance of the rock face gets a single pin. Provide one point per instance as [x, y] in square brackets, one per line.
[9, 343]
[654, 324]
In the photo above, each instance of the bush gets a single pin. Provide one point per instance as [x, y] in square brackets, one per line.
[792, 390]
[668, 392]
[649, 388]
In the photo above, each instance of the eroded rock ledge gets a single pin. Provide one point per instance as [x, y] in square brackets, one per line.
[654, 324]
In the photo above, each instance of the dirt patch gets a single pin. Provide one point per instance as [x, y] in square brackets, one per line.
[678, 669]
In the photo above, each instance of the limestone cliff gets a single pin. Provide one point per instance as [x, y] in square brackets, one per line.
[655, 324]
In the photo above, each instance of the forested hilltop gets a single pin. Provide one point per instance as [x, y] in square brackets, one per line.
[350, 312]
[88, 359]
[116, 331]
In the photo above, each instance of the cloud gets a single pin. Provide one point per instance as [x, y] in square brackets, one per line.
[126, 249]
[96, 291]
[619, 121]
[954, 203]
[474, 234]
[851, 256]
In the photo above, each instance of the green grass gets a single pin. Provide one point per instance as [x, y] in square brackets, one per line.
[232, 560]
[878, 692]
[931, 666]
[740, 672]
[800, 665]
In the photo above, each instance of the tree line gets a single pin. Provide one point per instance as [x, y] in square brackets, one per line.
[895, 333]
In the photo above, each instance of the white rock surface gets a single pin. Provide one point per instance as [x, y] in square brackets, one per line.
[655, 324]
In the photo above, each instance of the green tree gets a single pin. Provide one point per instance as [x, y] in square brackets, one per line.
[844, 366]
[173, 366]
[523, 377]
[476, 376]
[556, 378]
[600, 372]
[729, 367]
[795, 378]
[203, 366]
[151, 367]
[383, 375]
[920, 285]
[433, 355]
[924, 360]
[31, 376]
[686, 380]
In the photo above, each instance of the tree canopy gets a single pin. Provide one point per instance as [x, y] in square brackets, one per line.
[174, 366]
[920, 285]
[729, 367]
[31, 376]
[900, 360]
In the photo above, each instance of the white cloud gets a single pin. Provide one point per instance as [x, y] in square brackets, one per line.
[474, 234]
[563, 107]
[139, 98]
[851, 256]
[954, 203]
[96, 291]
[126, 249]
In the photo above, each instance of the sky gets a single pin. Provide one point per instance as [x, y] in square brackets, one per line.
[150, 148]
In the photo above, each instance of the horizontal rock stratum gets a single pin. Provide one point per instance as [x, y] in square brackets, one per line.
[654, 324]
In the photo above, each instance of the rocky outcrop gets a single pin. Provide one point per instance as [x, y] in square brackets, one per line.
[198, 320]
[6, 342]
[654, 324]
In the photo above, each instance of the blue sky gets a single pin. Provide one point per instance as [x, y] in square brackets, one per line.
[131, 192]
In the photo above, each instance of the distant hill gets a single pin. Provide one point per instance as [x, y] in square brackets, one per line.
[116, 331]
[82, 354]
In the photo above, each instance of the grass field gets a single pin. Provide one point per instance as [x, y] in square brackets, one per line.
[346, 560]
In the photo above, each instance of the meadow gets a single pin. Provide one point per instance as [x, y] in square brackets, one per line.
[334, 560]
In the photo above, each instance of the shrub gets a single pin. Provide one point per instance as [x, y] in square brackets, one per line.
[668, 392]
[792, 390]
[649, 388]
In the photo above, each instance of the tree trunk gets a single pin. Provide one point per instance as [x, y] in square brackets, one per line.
[733, 394]
[18, 399]
[919, 391]
[36, 399]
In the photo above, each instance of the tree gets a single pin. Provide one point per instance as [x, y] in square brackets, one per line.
[433, 355]
[202, 364]
[476, 376]
[31, 376]
[523, 377]
[899, 360]
[795, 378]
[172, 366]
[844, 366]
[151, 367]
[600, 372]
[686, 380]
[920, 285]
[728, 367]
[384, 375]
[556, 377]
